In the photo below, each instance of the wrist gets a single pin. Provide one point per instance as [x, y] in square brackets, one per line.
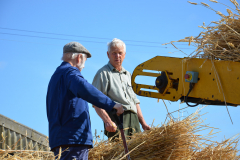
[107, 121]
[142, 122]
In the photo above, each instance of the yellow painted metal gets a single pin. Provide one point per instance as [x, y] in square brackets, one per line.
[218, 80]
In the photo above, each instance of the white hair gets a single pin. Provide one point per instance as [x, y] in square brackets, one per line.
[81, 65]
[116, 43]
[67, 56]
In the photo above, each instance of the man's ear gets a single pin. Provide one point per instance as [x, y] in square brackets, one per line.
[108, 54]
[78, 58]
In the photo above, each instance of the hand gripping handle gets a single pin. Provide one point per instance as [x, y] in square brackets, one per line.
[120, 125]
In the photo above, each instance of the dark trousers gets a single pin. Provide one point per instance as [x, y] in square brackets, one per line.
[130, 124]
[77, 153]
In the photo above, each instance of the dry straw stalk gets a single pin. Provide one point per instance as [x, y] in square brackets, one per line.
[220, 41]
[12, 154]
[173, 140]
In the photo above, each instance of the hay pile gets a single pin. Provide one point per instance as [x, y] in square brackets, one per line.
[173, 140]
[12, 154]
[26, 155]
[176, 139]
[220, 41]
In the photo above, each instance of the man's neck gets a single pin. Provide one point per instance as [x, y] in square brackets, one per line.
[74, 64]
[119, 68]
[70, 63]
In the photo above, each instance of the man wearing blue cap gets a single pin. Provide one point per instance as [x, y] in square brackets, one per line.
[67, 107]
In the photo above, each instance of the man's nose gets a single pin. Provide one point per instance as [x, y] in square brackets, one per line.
[118, 54]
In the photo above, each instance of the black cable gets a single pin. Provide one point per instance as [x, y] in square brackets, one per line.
[82, 40]
[190, 89]
[78, 35]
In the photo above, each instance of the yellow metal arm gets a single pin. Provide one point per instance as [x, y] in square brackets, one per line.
[218, 81]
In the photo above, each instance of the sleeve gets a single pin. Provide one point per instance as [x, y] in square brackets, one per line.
[135, 99]
[101, 82]
[82, 89]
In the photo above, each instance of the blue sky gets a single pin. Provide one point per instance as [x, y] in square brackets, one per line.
[30, 54]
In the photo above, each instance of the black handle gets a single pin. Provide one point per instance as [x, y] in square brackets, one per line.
[120, 125]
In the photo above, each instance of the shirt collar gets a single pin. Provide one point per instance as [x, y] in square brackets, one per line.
[114, 69]
[66, 64]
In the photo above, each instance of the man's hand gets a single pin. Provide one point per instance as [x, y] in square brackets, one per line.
[141, 119]
[119, 109]
[110, 126]
[146, 127]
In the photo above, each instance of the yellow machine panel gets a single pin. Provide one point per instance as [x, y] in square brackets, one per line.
[217, 81]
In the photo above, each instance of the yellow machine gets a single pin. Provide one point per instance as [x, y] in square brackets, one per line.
[193, 80]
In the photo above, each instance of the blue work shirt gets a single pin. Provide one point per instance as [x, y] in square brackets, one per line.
[67, 107]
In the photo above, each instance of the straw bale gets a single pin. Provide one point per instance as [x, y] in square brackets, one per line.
[173, 140]
[221, 39]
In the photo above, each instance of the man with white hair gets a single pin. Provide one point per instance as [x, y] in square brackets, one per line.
[115, 82]
[67, 107]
